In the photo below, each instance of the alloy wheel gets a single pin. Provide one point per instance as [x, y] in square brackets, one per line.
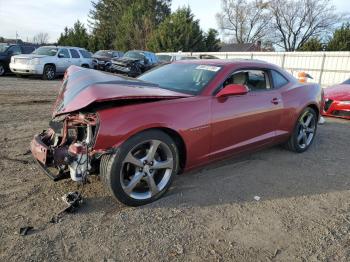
[50, 73]
[307, 128]
[146, 169]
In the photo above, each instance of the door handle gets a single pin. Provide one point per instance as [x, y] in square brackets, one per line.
[275, 101]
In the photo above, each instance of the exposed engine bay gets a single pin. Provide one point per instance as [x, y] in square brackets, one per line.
[67, 146]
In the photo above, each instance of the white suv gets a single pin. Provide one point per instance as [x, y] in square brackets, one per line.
[50, 61]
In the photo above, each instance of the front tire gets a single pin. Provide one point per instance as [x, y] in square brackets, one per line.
[49, 72]
[142, 169]
[304, 131]
[2, 69]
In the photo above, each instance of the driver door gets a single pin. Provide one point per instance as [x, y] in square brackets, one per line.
[64, 60]
[245, 122]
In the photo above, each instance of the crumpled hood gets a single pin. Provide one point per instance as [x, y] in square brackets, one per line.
[101, 58]
[338, 92]
[125, 61]
[82, 87]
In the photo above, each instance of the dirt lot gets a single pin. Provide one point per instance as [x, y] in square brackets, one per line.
[211, 214]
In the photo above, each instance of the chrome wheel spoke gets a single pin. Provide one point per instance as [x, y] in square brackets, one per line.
[152, 184]
[300, 136]
[152, 150]
[308, 120]
[163, 164]
[309, 130]
[304, 139]
[133, 160]
[133, 183]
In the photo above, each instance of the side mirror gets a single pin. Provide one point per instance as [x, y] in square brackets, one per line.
[60, 55]
[10, 52]
[231, 90]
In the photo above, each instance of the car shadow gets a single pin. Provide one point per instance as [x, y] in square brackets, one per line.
[273, 173]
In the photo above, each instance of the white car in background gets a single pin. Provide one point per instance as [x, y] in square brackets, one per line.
[50, 61]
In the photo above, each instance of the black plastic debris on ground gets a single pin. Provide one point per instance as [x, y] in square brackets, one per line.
[23, 231]
[73, 200]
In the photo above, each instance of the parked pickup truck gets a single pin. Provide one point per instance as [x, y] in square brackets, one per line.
[9, 50]
[50, 61]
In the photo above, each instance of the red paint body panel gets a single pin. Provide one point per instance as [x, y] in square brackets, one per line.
[336, 95]
[210, 127]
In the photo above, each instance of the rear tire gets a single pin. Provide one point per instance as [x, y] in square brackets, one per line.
[49, 72]
[304, 131]
[142, 168]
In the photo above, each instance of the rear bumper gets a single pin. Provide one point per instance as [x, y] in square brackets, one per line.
[334, 108]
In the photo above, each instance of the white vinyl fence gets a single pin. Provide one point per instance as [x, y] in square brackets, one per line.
[326, 68]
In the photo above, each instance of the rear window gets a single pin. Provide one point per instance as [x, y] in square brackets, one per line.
[85, 53]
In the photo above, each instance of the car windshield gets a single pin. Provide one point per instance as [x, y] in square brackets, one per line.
[50, 51]
[184, 78]
[104, 53]
[134, 54]
[3, 47]
[347, 82]
[164, 58]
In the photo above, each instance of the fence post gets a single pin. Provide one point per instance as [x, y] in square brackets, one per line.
[283, 60]
[322, 68]
[251, 56]
[226, 55]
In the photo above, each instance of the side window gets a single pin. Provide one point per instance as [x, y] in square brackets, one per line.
[255, 80]
[63, 53]
[278, 79]
[15, 50]
[74, 53]
[85, 53]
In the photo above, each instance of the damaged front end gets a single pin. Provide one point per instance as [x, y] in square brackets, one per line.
[66, 148]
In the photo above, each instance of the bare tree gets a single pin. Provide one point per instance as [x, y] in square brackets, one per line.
[244, 21]
[41, 38]
[296, 21]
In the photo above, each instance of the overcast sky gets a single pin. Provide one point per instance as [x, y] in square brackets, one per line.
[29, 17]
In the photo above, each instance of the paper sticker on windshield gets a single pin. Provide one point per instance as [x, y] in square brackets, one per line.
[209, 68]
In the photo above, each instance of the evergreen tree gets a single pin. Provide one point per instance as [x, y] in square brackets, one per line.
[314, 44]
[212, 42]
[76, 36]
[179, 32]
[341, 39]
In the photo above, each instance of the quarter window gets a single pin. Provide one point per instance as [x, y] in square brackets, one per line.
[74, 53]
[278, 79]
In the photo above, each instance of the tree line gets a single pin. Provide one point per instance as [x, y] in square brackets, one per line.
[291, 25]
[141, 24]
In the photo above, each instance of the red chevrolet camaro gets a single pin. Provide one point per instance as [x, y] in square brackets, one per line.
[138, 133]
[337, 100]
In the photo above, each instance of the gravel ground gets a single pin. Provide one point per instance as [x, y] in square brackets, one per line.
[208, 215]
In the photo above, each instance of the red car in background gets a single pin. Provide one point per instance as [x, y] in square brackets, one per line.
[138, 133]
[337, 100]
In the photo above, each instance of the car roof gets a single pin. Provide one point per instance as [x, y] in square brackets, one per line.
[59, 46]
[224, 62]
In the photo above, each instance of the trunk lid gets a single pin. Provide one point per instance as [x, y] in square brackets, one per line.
[82, 87]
